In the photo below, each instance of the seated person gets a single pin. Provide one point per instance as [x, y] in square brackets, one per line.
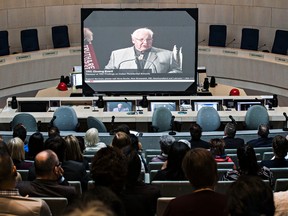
[263, 140]
[248, 165]
[280, 147]
[165, 143]
[49, 175]
[92, 141]
[230, 141]
[35, 145]
[200, 169]
[172, 168]
[11, 202]
[250, 196]
[218, 150]
[143, 55]
[196, 141]
[120, 108]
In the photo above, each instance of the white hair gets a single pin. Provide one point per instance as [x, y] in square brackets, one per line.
[140, 30]
[91, 137]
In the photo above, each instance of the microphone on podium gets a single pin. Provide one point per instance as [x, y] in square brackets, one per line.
[172, 132]
[201, 41]
[112, 125]
[232, 119]
[230, 42]
[286, 120]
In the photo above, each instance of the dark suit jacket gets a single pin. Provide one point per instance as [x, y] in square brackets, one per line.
[199, 144]
[233, 143]
[261, 142]
[276, 163]
[46, 188]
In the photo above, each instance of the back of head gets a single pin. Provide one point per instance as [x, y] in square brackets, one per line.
[280, 146]
[91, 137]
[217, 147]
[230, 130]
[123, 128]
[16, 149]
[35, 144]
[45, 162]
[247, 160]
[121, 140]
[200, 168]
[263, 130]
[53, 131]
[176, 154]
[165, 143]
[109, 168]
[250, 196]
[73, 151]
[58, 145]
[195, 131]
[20, 131]
[134, 169]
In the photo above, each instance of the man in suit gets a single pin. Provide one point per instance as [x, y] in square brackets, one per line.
[143, 56]
[11, 203]
[196, 141]
[230, 141]
[263, 140]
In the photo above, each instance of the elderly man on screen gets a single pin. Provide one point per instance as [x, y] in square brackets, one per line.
[143, 55]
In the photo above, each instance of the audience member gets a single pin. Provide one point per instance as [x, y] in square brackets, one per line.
[136, 187]
[172, 169]
[196, 141]
[49, 175]
[135, 148]
[53, 131]
[200, 169]
[281, 203]
[229, 137]
[217, 148]
[280, 147]
[93, 208]
[35, 145]
[263, 140]
[92, 141]
[73, 151]
[81, 143]
[122, 128]
[20, 131]
[250, 196]
[16, 150]
[11, 203]
[248, 166]
[122, 141]
[165, 143]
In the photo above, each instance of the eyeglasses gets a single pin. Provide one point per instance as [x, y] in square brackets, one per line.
[142, 39]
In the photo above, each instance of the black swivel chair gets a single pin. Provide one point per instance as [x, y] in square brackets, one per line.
[280, 44]
[217, 35]
[249, 39]
[29, 40]
[4, 43]
[60, 36]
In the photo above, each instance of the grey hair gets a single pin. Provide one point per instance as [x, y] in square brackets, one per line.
[137, 31]
[91, 137]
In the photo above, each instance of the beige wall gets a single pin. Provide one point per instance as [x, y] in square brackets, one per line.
[266, 15]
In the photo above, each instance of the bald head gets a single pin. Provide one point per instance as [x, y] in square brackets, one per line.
[45, 162]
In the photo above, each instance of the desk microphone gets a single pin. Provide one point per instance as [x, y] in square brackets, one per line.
[285, 115]
[286, 119]
[232, 119]
[172, 132]
[53, 119]
[201, 41]
[112, 125]
[230, 42]
[261, 46]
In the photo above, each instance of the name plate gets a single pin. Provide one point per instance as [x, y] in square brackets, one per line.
[256, 55]
[23, 57]
[230, 52]
[73, 51]
[2, 61]
[50, 53]
[281, 59]
[204, 49]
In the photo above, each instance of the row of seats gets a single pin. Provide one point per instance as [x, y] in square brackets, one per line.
[249, 39]
[30, 42]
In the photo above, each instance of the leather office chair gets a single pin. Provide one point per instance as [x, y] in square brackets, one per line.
[256, 115]
[162, 203]
[280, 44]
[57, 205]
[249, 39]
[93, 122]
[161, 119]
[208, 118]
[65, 119]
[60, 36]
[29, 40]
[4, 43]
[27, 120]
[217, 35]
